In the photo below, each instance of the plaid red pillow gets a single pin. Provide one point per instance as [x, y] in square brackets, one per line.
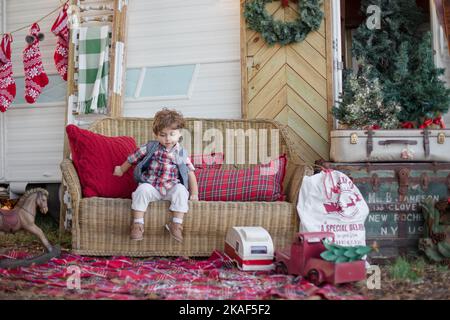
[259, 183]
[208, 161]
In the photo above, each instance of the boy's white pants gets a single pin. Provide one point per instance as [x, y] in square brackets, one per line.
[146, 193]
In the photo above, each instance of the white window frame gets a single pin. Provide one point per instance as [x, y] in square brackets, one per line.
[338, 64]
[438, 36]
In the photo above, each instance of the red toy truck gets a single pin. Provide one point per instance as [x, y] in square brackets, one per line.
[303, 259]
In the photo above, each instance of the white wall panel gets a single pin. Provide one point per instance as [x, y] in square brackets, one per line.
[32, 141]
[202, 32]
[34, 149]
[24, 12]
[216, 94]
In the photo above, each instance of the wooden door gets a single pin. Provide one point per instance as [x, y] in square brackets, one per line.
[291, 84]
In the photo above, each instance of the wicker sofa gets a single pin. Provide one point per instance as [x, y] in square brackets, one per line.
[100, 226]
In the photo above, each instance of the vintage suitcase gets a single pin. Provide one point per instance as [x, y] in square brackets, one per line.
[390, 146]
[394, 192]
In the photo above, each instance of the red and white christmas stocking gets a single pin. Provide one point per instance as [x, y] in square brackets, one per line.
[7, 82]
[35, 77]
[61, 30]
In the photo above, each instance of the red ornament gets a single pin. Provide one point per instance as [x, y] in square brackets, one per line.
[376, 127]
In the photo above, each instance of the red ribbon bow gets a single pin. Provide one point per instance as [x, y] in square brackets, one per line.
[440, 122]
[408, 125]
[285, 3]
[426, 124]
[429, 122]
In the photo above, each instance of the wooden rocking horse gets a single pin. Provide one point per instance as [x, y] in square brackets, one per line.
[22, 216]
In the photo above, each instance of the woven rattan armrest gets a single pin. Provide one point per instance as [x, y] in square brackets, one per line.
[71, 180]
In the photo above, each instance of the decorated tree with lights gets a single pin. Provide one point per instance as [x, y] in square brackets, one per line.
[363, 104]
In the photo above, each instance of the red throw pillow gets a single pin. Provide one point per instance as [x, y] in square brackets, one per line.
[95, 156]
[259, 183]
[208, 161]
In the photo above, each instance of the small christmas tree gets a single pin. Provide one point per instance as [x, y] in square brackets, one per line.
[363, 104]
[422, 94]
[400, 21]
[402, 56]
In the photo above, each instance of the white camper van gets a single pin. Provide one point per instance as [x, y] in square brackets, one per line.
[251, 248]
[31, 135]
[181, 54]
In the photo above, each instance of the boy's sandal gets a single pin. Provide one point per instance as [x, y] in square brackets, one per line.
[176, 231]
[137, 232]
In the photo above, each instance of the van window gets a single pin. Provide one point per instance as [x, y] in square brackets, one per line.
[165, 81]
[237, 246]
[259, 249]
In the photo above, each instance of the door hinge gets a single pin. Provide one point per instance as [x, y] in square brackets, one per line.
[339, 65]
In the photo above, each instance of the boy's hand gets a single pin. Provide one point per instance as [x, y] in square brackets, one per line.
[118, 171]
[194, 197]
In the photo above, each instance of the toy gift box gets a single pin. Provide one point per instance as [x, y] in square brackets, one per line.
[390, 145]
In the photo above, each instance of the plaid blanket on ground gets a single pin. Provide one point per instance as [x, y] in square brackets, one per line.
[122, 278]
[93, 69]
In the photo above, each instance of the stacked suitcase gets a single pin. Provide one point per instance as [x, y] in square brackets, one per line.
[395, 170]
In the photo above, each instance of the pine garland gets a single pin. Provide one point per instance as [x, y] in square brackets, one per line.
[340, 254]
[284, 33]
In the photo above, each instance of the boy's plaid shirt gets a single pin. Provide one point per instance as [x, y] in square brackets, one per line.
[162, 172]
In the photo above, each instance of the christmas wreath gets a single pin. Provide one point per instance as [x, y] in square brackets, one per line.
[309, 19]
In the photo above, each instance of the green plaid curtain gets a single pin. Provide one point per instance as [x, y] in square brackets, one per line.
[93, 69]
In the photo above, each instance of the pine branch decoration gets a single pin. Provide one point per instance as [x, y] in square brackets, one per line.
[339, 254]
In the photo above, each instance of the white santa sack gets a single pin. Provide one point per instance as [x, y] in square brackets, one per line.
[330, 202]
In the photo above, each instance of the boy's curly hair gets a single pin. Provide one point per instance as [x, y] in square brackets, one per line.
[168, 118]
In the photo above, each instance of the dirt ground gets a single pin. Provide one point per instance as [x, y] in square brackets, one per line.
[431, 282]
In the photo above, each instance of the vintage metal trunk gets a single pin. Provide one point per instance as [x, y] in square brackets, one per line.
[394, 192]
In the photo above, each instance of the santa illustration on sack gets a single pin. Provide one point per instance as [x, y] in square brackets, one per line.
[343, 197]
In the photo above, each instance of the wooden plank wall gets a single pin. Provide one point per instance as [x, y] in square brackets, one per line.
[291, 84]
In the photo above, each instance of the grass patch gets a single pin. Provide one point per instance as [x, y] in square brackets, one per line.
[48, 226]
[404, 270]
[442, 268]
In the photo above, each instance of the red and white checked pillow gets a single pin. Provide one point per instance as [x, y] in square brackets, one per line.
[208, 161]
[259, 183]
